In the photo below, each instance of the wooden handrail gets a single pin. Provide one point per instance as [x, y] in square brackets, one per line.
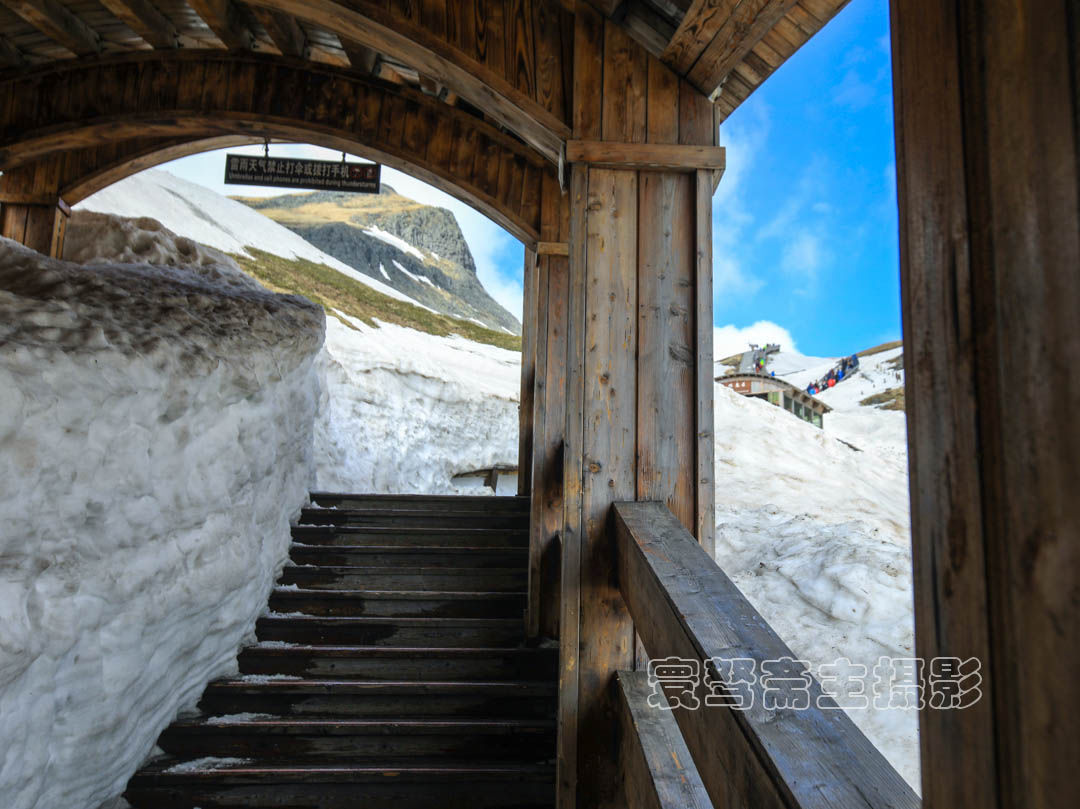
[684, 606]
[658, 771]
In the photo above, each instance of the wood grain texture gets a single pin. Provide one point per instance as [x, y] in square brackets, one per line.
[987, 169]
[748, 22]
[529, 304]
[684, 605]
[666, 369]
[658, 770]
[178, 94]
[55, 20]
[705, 474]
[566, 763]
[143, 17]
[673, 157]
[455, 65]
[608, 453]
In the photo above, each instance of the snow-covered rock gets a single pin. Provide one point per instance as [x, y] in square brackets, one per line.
[155, 440]
[406, 411]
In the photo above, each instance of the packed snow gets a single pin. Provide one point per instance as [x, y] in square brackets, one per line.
[407, 411]
[137, 553]
[816, 531]
[198, 213]
[393, 241]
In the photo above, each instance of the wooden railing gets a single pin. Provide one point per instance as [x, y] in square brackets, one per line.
[682, 604]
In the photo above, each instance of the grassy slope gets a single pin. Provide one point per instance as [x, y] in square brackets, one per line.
[332, 290]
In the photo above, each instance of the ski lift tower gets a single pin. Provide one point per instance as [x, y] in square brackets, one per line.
[749, 362]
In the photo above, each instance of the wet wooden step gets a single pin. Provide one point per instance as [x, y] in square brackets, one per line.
[437, 664]
[359, 535]
[392, 784]
[422, 502]
[429, 632]
[272, 738]
[409, 557]
[513, 579]
[339, 697]
[439, 517]
[398, 603]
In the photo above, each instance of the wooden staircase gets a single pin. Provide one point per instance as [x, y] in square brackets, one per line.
[391, 671]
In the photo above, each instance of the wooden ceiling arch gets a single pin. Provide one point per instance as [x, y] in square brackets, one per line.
[158, 102]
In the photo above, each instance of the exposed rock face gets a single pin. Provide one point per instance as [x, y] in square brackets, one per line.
[418, 249]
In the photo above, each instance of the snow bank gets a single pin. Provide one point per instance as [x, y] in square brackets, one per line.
[817, 536]
[406, 411]
[155, 440]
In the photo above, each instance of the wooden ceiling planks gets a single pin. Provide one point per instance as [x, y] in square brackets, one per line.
[55, 20]
[143, 17]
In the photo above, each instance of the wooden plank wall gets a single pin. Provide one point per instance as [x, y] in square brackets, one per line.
[987, 122]
[633, 371]
[526, 407]
[31, 211]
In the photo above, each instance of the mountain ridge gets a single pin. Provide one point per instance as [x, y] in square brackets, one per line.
[418, 249]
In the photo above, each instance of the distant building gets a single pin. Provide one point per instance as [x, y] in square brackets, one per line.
[778, 392]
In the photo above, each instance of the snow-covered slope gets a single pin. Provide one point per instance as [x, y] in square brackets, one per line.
[816, 531]
[198, 213]
[155, 439]
[406, 411]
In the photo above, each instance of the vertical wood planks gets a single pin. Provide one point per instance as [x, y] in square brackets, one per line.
[987, 170]
[704, 456]
[666, 369]
[528, 370]
[569, 624]
[608, 449]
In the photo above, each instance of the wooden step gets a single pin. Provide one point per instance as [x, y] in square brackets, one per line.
[436, 664]
[398, 603]
[422, 502]
[360, 535]
[429, 632]
[320, 577]
[391, 784]
[338, 697]
[272, 738]
[409, 557]
[439, 517]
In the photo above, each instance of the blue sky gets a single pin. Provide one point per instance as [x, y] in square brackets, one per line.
[804, 221]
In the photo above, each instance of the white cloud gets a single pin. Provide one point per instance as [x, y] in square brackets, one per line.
[730, 340]
[730, 217]
[803, 255]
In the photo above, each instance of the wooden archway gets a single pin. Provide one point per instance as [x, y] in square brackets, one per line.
[61, 112]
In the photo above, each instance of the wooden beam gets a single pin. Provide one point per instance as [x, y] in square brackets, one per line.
[553, 248]
[361, 57]
[142, 17]
[697, 29]
[987, 104]
[226, 21]
[507, 104]
[10, 56]
[55, 20]
[748, 23]
[284, 30]
[658, 770]
[645, 155]
[683, 605]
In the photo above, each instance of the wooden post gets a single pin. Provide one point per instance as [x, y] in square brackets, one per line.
[528, 371]
[987, 118]
[636, 418]
[31, 211]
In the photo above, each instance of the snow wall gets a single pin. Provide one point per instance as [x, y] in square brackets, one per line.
[156, 433]
[407, 411]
